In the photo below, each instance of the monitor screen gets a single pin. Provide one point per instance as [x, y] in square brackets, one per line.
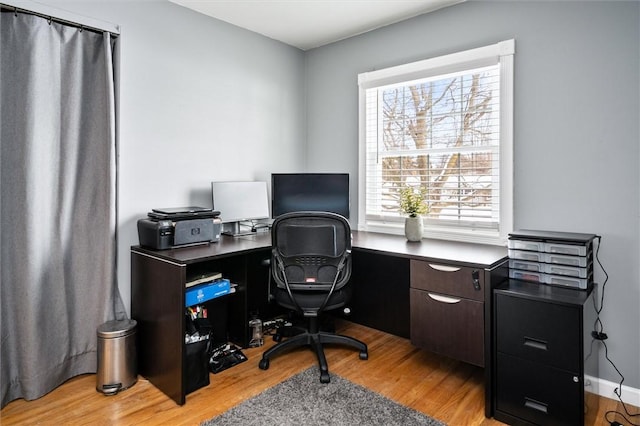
[292, 192]
[239, 201]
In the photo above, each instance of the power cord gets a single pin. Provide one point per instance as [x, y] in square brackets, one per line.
[599, 334]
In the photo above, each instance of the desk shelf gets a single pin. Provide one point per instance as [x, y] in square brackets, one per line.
[158, 280]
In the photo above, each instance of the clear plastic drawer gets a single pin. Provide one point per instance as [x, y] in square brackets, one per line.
[562, 259]
[569, 249]
[573, 282]
[530, 256]
[526, 245]
[526, 275]
[571, 271]
[526, 265]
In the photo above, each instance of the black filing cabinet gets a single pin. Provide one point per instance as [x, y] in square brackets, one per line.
[543, 350]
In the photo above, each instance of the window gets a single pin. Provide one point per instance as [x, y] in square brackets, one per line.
[444, 126]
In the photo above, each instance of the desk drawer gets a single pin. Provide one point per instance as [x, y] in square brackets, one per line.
[450, 326]
[458, 281]
[538, 331]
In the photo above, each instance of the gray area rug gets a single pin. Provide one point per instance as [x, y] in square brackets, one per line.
[303, 400]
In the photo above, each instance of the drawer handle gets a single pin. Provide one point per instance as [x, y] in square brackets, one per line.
[535, 343]
[444, 268]
[535, 405]
[443, 299]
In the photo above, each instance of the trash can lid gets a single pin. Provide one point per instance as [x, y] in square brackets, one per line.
[116, 328]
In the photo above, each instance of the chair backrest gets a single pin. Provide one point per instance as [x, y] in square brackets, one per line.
[309, 249]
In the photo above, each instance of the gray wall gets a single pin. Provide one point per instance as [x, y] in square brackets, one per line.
[576, 139]
[202, 100]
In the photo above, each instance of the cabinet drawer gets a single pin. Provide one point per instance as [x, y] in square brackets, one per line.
[549, 333]
[538, 393]
[450, 326]
[446, 279]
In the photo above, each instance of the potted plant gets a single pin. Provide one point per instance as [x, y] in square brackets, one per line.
[413, 204]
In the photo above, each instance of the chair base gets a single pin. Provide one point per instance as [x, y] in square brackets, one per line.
[316, 340]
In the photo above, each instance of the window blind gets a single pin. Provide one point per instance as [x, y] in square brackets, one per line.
[440, 133]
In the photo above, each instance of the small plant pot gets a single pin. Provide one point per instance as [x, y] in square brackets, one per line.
[413, 228]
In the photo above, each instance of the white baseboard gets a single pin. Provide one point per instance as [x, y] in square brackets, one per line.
[607, 389]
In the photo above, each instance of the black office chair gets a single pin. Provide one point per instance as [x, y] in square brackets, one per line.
[311, 266]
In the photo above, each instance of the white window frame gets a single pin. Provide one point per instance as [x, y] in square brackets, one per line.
[501, 53]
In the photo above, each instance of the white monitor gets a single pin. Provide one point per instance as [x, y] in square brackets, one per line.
[239, 201]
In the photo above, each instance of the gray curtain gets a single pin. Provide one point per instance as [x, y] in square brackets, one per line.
[58, 206]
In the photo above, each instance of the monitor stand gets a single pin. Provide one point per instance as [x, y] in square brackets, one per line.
[237, 229]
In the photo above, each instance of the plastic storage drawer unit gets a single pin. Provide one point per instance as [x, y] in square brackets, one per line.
[555, 258]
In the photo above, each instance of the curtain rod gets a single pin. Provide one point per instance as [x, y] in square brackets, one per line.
[48, 14]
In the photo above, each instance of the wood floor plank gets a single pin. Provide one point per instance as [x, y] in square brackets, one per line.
[448, 390]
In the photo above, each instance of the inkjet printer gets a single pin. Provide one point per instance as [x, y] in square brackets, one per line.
[167, 228]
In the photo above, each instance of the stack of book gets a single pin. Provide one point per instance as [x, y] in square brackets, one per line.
[205, 287]
[203, 278]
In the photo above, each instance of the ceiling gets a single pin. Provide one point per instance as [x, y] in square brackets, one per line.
[306, 24]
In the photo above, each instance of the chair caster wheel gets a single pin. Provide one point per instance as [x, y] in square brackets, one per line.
[324, 377]
[263, 364]
[277, 337]
[364, 355]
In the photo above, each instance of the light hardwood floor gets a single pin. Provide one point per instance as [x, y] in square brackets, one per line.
[447, 390]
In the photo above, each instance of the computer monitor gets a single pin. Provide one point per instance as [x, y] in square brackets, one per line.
[240, 203]
[328, 192]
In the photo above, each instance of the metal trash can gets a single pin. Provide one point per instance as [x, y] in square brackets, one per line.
[117, 364]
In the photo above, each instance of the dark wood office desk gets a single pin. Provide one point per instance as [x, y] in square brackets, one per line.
[394, 282]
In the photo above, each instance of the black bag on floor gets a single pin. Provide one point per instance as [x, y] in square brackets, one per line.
[223, 356]
[197, 365]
